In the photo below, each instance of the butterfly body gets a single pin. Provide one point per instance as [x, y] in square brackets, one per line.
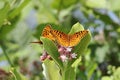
[60, 37]
[66, 40]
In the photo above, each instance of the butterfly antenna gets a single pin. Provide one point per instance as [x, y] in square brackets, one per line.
[38, 42]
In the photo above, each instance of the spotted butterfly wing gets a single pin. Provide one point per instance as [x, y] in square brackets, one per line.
[46, 33]
[76, 38]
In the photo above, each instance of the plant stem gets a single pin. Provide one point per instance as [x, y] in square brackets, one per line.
[64, 71]
[63, 75]
[6, 55]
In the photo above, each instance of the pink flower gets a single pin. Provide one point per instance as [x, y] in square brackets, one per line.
[66, 54]
[69, 49]
[44, 56]
[73, 55]
[61, 50]
[63, 57]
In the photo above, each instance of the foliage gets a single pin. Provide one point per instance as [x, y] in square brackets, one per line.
[115, 73]
[22, 22]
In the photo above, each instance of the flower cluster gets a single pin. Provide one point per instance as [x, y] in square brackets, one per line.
[65, 54]
[44, 56]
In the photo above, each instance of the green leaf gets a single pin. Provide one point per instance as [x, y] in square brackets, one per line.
[5, 29]
[76, 62]
[90, 69]
[51, 71]
[69, 74]
[76, 27]
[3, 13]
[52, 50]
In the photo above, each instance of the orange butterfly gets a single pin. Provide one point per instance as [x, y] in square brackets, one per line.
[63, 39]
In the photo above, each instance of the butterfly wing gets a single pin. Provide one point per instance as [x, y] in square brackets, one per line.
[46, 33]
[75, 38]
[60, 37]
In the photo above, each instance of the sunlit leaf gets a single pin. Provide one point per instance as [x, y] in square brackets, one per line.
[51, 70]
[76, 27]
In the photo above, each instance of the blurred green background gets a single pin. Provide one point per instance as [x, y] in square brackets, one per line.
[22, 21]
